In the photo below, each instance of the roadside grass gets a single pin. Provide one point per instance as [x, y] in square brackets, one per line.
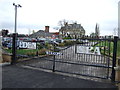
[22, 51]
[32, 52]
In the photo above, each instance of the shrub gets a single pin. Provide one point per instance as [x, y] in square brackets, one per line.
[42, 51]
[61, 44]
[31, 53]
[67, 38]
[39, 46]
[67, 43]
[50, 46]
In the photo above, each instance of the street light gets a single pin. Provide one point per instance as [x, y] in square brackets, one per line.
[16, 6]
[14, 43]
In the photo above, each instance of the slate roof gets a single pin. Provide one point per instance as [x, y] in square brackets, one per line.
[41, 33]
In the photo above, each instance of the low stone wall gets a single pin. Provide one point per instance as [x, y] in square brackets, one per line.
[6, 57]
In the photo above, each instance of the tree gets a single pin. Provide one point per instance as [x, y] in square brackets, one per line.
[93, 34]
[115, 31]
[97, 31]
[62, 22]
[4, 32]
[33, 31]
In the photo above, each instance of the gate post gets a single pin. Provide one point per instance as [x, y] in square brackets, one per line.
[14, 48]
[54, 60]
[114, 58]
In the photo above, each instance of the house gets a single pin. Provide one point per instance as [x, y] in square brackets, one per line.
[43, 34]
[73, 30]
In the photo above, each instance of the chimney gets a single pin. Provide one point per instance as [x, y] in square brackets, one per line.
[46, 28]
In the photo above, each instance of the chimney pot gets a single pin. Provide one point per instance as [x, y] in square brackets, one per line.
[46, 28]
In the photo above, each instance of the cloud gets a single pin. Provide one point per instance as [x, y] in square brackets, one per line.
[35, 14]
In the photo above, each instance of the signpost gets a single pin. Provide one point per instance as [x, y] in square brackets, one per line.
[53, 53]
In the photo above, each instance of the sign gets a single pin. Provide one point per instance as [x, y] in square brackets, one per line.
[29, 45]
[88, 50]
[53, 53]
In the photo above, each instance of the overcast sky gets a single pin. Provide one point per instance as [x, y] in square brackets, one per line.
[35, 14]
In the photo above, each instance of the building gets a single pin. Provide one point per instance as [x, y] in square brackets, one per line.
[119, 19]
[73, 30]
[43, 34]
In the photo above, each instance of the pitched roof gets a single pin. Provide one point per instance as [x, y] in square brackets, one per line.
[41, 33]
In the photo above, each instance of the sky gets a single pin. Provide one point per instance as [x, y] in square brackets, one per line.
[36, 14]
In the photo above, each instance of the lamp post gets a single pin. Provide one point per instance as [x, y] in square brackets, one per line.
[16, 6]
[14, 43]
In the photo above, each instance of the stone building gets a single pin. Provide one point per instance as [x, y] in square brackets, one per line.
[73, 30]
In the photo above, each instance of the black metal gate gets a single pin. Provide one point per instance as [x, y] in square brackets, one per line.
[90, 57]
[93, 57]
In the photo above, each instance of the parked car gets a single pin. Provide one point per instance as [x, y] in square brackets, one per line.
[33, 39]
[58, 40]
[9, 45]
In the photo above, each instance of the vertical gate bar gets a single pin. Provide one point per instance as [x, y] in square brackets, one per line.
[14, 48]
[108, 59]
[114, 58]
[36, 49]
[75, 53]
[101, 50]
[104, 49]
[63, 54]
[54, 63]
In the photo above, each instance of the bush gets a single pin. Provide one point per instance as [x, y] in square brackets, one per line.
[67, 38]
[31, 53]
[42, 51]
[39, 46]
[50, 46]
[67, 43]
[61, 44]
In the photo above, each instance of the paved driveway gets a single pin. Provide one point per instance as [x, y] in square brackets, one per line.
[18, 77]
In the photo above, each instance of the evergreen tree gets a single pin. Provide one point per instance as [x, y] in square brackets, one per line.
[97, 31]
